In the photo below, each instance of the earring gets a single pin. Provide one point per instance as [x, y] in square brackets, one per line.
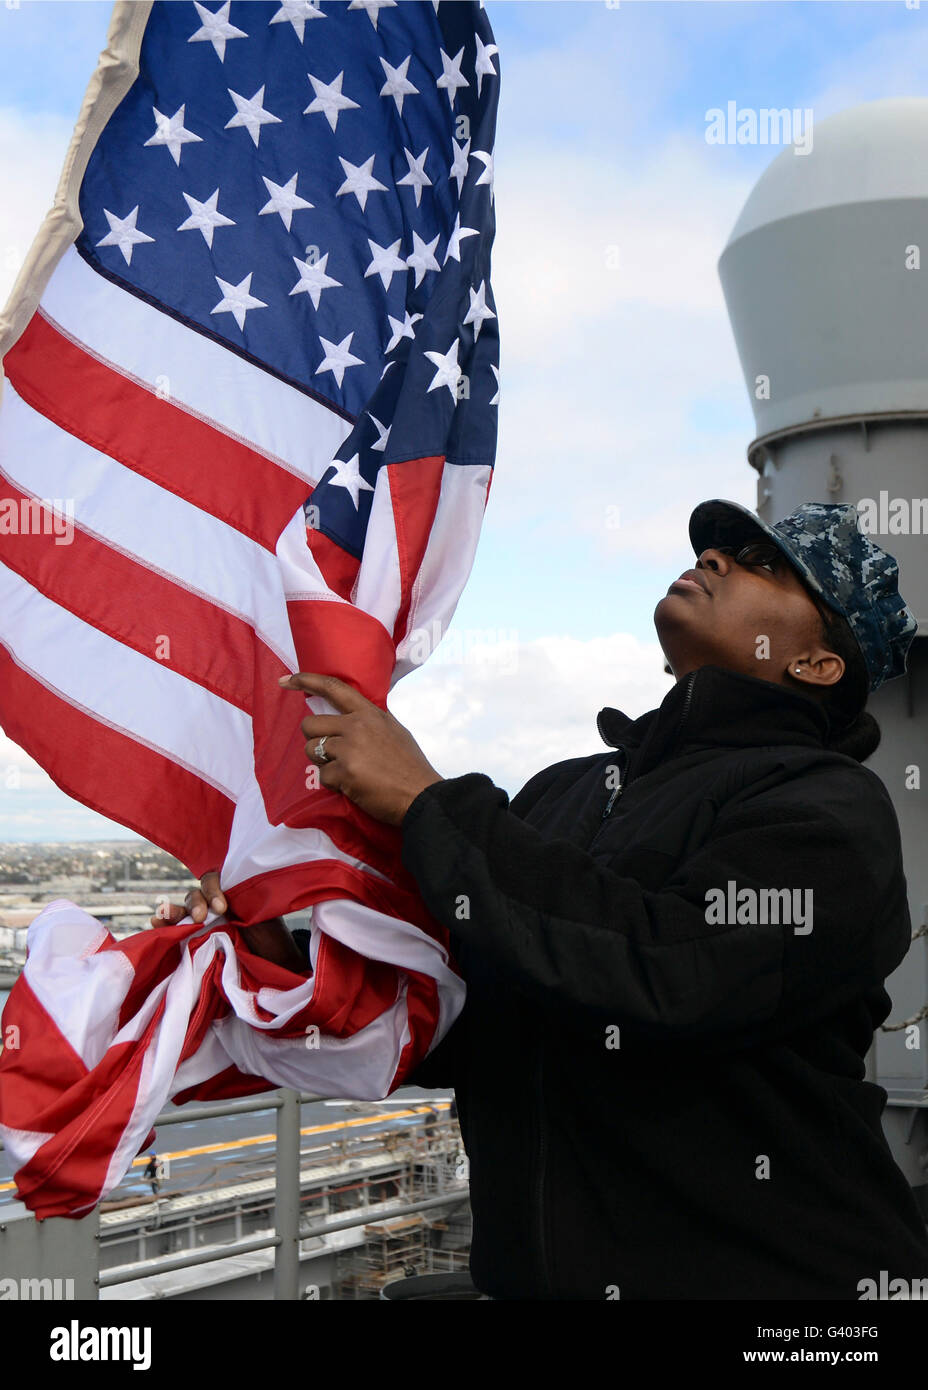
[798, 670]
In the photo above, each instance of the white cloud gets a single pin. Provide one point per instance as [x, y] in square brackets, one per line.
[511, 717]
[32, 153]
[611, 233]
[605, 371]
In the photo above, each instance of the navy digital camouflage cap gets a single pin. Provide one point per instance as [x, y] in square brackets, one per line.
[825, 545]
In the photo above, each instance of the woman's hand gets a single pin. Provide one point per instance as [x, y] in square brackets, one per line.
[370, 756]
[271, 940]
[196, 904]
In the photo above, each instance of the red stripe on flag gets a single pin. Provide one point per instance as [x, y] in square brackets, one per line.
[188, 456]
[338, 639]
[335, 639]
[338, 568]
[114, 773]
[223, 1086]
[37, 1063]
[415, 487]
[142, 608]
[422, 1009]
[349, 992]
[67, 1173]
[289, 800]
[296, 886]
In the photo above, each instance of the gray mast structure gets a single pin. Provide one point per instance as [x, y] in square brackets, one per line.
[825, 277]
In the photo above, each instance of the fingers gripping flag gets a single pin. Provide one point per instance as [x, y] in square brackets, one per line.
[247, 427]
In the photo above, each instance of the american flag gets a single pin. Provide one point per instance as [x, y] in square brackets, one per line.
[247, 427]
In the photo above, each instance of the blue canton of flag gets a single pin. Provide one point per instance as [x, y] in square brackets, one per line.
[313, 188]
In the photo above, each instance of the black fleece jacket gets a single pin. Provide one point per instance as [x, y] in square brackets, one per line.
[659, 1098]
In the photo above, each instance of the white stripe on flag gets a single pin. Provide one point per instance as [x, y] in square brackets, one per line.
[256, 847]
[299, 433]
[448, 559]
[22, 1144]
[358, 1067]
[378, 589]
[82, 992]
[300, 575]
[168, 712]
[137, 517]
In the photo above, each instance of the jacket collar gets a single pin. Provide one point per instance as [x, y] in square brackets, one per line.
[715, 708]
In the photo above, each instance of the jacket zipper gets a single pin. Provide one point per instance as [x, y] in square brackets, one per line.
[690, 681]
[616, 791]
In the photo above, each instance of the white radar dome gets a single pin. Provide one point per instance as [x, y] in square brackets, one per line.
[825, 274]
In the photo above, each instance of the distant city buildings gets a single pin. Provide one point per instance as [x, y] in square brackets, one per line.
[107, 864]
[118, 881]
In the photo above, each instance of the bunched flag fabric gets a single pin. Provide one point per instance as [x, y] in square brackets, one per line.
[247, 427]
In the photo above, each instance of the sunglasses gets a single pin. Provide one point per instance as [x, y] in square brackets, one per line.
[765, 553]
[756, 553]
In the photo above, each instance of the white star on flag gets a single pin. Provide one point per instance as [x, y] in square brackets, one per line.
[385, 261]
[313, 279]
[284, 199]
[452, 77]
[237, 299]
[398, 84]
[123, 233]
[216, 28]
[485, 66]
[169, 131]
[251, 113]
[449, 372]
[383, 434]
[359, 180]
[487, 175]
[338, 358]
[373, 8]
[204, 217]
[400, 330]
[348, 475]
[478, 310]
[423, 256]
[458, 168]
[417, 177]
[458, 233]
[329, 99]
[296, 12]
[494, 400]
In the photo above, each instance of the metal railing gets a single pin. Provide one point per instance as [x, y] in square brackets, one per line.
[288, 1232]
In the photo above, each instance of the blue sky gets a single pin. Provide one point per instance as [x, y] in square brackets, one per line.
[621, 394]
